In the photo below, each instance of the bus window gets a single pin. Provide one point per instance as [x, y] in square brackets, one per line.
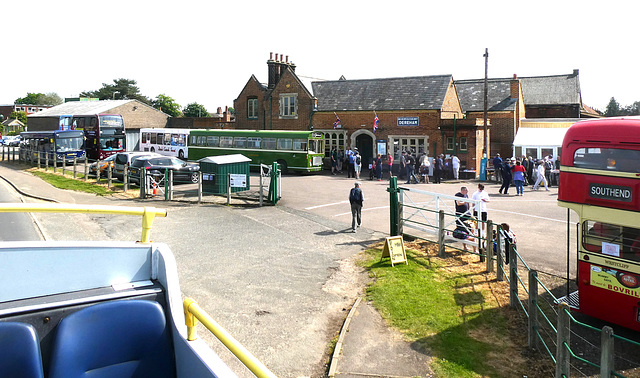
[154, 138]
[166, 139]
[610, 239]
[253, 142]
[300, 144]
[226, 142]
[212, 141]
[240, 142]
[607, 159]
[269, 143]
[285, 144]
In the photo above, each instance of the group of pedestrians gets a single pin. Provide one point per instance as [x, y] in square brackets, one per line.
[524, 171]
[351, 161]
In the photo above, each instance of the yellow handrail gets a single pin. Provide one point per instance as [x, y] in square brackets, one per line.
[148, 213]
[193, 311]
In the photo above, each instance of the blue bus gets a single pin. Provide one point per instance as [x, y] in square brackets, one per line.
[66, 145]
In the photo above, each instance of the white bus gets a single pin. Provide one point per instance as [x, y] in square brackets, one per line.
[169, 142]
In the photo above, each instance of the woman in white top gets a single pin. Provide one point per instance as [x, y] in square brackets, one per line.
[541, 178]
[480, 210]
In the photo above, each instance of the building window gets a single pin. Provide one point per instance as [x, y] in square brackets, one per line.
[450, 144]
[463, 144]
[289, 105]
[252, 108]
[334, 139]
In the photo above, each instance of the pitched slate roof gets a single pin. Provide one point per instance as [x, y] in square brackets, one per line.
[552, 90]
[471, 95]
[80, 107]
[410, 93]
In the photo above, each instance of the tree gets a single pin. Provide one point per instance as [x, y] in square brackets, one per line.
[121, 89]
[20, 116]
[167, 105]
[195, 110]
[613, 108]
[50, 98]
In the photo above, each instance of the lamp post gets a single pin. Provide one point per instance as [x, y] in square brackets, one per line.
[114, 95]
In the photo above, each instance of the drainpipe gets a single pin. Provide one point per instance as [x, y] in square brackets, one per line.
[455, 135]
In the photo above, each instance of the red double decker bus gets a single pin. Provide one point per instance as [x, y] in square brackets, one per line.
[600, 181]
[104, 133]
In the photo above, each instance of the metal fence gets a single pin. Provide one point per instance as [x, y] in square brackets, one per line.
[575, 347]
[264, 188]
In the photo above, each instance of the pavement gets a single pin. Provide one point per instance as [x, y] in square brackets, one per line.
[366, 346]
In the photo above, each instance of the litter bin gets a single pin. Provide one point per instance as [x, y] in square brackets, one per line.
[218, 170]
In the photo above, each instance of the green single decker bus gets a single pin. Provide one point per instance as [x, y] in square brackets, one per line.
[299, 151]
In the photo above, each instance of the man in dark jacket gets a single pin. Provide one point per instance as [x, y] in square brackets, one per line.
[356, 198]
[497, 166]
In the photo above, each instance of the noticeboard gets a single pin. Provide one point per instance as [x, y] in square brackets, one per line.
[394, 249]
[237, 180]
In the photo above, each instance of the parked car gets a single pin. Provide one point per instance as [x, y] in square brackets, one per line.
[183, 172]
[124, 159]
[93, 167]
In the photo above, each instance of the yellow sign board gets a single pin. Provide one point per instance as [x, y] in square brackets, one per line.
[394, 249]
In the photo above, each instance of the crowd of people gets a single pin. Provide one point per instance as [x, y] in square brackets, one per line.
[414, 168]
[521, 172]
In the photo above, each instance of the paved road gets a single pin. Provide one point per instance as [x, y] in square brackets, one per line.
[539, 223]
[15, 226]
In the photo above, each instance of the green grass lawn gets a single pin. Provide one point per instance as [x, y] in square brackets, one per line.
[69, 183]
[452, 313]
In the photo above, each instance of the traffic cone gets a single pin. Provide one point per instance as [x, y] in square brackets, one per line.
[155, 189]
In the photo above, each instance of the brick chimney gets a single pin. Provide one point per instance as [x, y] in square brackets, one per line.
[515, 87]
[274, 71]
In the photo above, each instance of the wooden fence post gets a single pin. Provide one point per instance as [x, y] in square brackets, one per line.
[563, 357]
[606, 352]
[533, 309]
[441, 233]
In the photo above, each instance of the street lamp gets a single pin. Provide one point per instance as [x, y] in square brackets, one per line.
[114, 95]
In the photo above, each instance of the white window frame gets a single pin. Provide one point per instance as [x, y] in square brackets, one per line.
[252, 108]
[287, 108]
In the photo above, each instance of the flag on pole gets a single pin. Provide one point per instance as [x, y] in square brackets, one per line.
[336, 124]
[376, 121]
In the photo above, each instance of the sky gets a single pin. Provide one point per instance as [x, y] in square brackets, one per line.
[206, 51]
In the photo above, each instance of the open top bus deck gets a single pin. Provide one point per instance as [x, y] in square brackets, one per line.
[108, 309]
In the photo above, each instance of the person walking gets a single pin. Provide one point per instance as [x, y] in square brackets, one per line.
[480, 210]
[518, 178]
[403, 165]
[349, 158]
[379, 167]
[455, 163]
[390, 163]
[438, 167]
[356, 199]
[410, 164]
[497, 166]
[525, 165]
[424, 170]
[507, 166]
[541, 178]
[357, 165]
[334, 161]
[530, 168]
[548, 167]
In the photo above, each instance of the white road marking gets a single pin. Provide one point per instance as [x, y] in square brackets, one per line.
[325, 205]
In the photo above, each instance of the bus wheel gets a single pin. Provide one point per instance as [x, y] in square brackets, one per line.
[283, 166]
[194, 177]
[152, 149]
[181, 154]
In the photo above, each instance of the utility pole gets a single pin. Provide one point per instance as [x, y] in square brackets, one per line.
[485, 151]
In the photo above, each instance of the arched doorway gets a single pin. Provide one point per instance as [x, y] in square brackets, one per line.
[364, 143]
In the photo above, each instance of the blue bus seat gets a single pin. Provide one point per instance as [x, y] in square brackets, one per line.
[128, 338]
[19, 351]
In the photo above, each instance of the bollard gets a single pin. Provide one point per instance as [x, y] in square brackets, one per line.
[200, 189]
[441, 233]
[64, 163]
[606, 352]
[86, 169]
[125, 177]
[109, 176]
[563, 357]
[75, 164]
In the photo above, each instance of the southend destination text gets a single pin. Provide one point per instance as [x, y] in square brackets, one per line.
[616, 193]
